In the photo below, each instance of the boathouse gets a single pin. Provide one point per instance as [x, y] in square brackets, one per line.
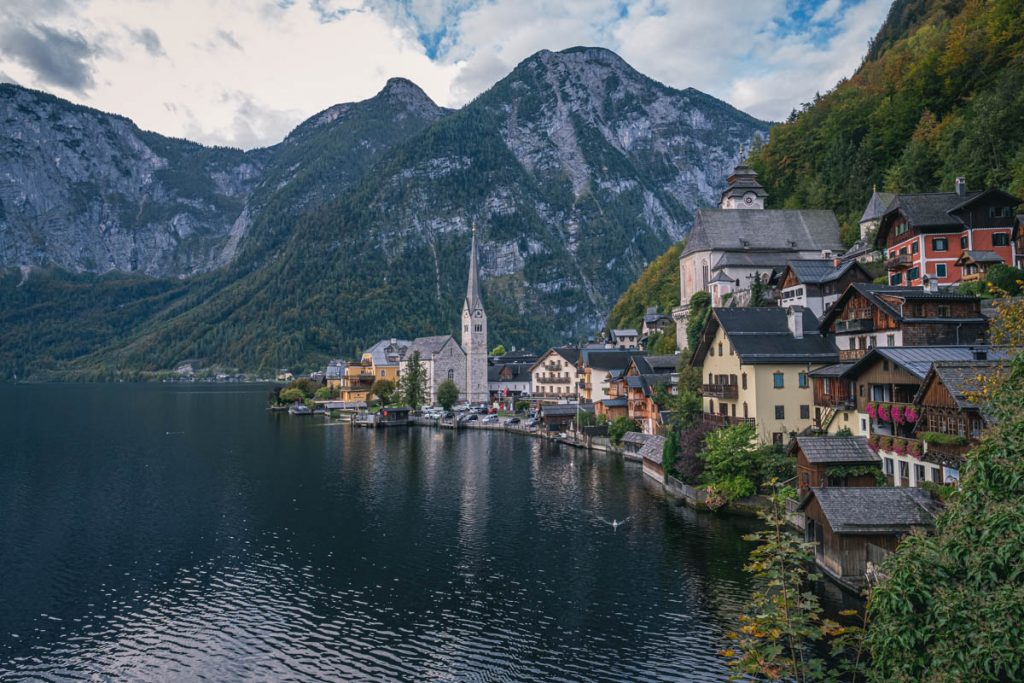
[835, 461]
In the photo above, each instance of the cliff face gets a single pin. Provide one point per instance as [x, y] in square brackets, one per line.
[576, 169]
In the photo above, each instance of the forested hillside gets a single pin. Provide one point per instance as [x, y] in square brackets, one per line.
[657, 286]
[939, 95]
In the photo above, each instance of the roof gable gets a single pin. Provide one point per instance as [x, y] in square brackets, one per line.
[873, 510]
[762, 335]
[772, 229]
[823, 450]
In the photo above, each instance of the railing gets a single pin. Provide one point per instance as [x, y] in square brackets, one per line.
[552, 380]
[837, 402]
[899, 261]
[726, 421]
[552, 366]
[852, 354]
[720, 390]
[855, 325]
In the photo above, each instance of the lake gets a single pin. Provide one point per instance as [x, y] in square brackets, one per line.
[182, 532]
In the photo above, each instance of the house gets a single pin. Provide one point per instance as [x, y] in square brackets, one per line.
[951, 420]
[756, 364]
[868, 316]
[385, 358]
[873, 212]
[973, 264]
[509, 380]
[924, 234]
[562, 417]
[834, 461]
[817, 283]
[651, 456]
[835, 406]
[598, 368]
[442, 358]
[654, 321]
[627, 338]
[555, 375]
[632, 442]
[853, 526]
[733, 246]
[634, 393]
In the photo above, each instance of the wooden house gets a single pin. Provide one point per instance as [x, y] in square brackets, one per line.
[834, 461]
[869, 316]
[835, 406]
[974, 263]
[851, 527]
[651, 457]
[817, 283]
[562, 417]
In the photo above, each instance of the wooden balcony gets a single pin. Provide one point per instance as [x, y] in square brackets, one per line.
[725, 420]
[729, 391]
[552, 380]
[837, 402]
[855, 325]
[899, 261]
[846, 355]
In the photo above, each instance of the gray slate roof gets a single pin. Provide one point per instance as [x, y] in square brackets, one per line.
[386, 353]
[873, 510]
[761, 335]
[917, 360]
[822, 450]
[873, 293]
[819, 271]
[961, 377]
[608, 359]
[980, 256]
[653, 365]
[767, 260]
[743, 180]
[837, 370]
[738, 229]
[637, 438]
[652, 448]
[428, 346]
[520, 372]
[564, 409]
[877, 205]
[927, 209]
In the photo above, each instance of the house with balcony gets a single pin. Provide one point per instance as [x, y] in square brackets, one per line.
[834, 461]
[835, 403]
[644, 380]
[598, 368]
[509, 380]
[973, 264]
[817, 283]
[756, 363]
[924, 234]
[555, 376]
[869, 316]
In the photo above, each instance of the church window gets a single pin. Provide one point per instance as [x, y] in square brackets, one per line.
[478, 328]
[706, 274]
[451, 374]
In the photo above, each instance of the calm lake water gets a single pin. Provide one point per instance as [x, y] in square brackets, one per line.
[161, 533]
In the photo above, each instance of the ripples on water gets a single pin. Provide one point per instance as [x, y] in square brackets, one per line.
[168, 533]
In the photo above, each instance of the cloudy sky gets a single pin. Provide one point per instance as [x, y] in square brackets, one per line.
[244, 72]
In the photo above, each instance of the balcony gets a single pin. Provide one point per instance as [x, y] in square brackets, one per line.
[726, 421]
[855, 325]
[730, 391]
[552, 380]
[837, 402]
[846, 355]
[899, 261]
[552, 366]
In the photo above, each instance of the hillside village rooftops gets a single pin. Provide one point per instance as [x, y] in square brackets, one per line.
[873, 510]
[762, 335]
[763, 229]
[917, 360]
[820, 271]
[822, 450]
[875, 293]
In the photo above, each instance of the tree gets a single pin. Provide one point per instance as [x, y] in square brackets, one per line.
[731, 462]
[447, 394]
[952, 605]
[412, 386]
[1005, 279]
[522, 406]
[291, 395]
[758, 290]
[498, 350]
[697, 317]
[322, 394]
[785, 620]
[384, 389]
[662, 342]
[670, 451]
[619, 427]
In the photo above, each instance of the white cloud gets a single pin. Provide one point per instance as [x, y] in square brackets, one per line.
[243, 72]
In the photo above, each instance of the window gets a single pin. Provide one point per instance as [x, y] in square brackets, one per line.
[918, 473]
[904, 469]
[803, 380]
[746, 410]
[779, 380]
[890, 339]
[1007, 211]
[743, 377]
[846, 416]
[734, 410]
[963, 242]
[913, 273]
[711, 378]
[805, 412]
[711, 350]
[889, 467]
[451, 374]
[944, 311]
[780, 412]
[897, 278]
[863, 425]
[720, 349]
[1000, 239]
[901, 228]
[940, 270]
[732, 350]
[913, 248]
[478, 328]
[940, 244]
[936, 475]
[777, 438]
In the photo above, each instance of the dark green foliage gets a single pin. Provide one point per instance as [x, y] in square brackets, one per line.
[412, 387]
[1006, 278]
[736, 466]
[384, 389]
[620, 427]
[657, 286]
[700, 310]
[447, 394]
[952, 607]
[670, 451]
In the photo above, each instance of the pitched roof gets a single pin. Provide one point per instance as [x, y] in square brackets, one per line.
[652, 448]
[934, 209]
[608, 359]
[614, 402]
[564, 409]
[742, 180]
[837, 370]
[428, 346]
[877, 205]
[821, 450]
[961, 378]
[520, 372]
[761, 335]
[335, 369]
[768, 260]
[979, 256]
[875, 295]
[652, 365]
[638, 438]
[473, 299]
[773, 229]
[872, 510]
[917, 360]
[820, 271]
[388, 351]
[652, 315]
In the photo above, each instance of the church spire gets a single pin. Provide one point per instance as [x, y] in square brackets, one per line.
[473, 301]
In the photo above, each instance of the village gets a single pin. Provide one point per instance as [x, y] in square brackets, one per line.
[857, 390]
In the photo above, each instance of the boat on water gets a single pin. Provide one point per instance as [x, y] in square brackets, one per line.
[299, 409]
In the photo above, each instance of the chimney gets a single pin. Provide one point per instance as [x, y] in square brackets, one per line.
[836, 262]
[961, 186]
[795, 318]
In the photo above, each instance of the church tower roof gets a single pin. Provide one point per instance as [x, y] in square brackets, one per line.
[473, 299]
[742, 181]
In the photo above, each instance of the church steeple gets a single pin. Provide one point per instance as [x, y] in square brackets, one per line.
[474, 332]
[473, 300]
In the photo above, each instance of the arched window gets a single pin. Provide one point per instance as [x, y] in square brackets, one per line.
[744, 381]
[706, 275]
[451, 374]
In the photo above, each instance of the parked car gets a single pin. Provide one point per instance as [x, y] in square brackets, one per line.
[490, 419]
[513, 421]
[532, 423]
[471, 418]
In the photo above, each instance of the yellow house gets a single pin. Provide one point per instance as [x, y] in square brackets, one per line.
[756, 364]
[353, 380]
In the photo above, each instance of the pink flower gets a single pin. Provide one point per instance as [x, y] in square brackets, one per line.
[910, 414]
[872, 411]
[883, 413]
[900, 448]
[897, 415]
[873, 447]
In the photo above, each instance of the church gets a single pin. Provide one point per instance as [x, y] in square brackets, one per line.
[729, 246]
[466, 363]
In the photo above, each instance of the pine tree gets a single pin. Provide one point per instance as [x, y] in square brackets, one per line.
[412, 386]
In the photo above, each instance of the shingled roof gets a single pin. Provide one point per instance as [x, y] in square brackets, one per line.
[608, 359]
[978, 256]
[917, 360]
[654, 365]
[652, 448]
[875, 294]
[820, 271]
[962, 378]
[763, 229]
[823, 450]
[428, 346]
[761, 335]
[873, 510]
[931, 210]
[877, 205]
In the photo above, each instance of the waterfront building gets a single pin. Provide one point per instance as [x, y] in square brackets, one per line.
[869, 316]
[651, 457]
[385, 357]
[756, 365]
[555, 376]
[817, 283]
[474, 335]
[442, 359]
[509, 380]
[851, 527]
[731, 245]
[598, 368]
[924, 234]
[834, 461]
[563, 417]
[643, 378]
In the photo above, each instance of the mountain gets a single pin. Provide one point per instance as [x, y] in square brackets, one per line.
[576, 169]
[938, 95]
